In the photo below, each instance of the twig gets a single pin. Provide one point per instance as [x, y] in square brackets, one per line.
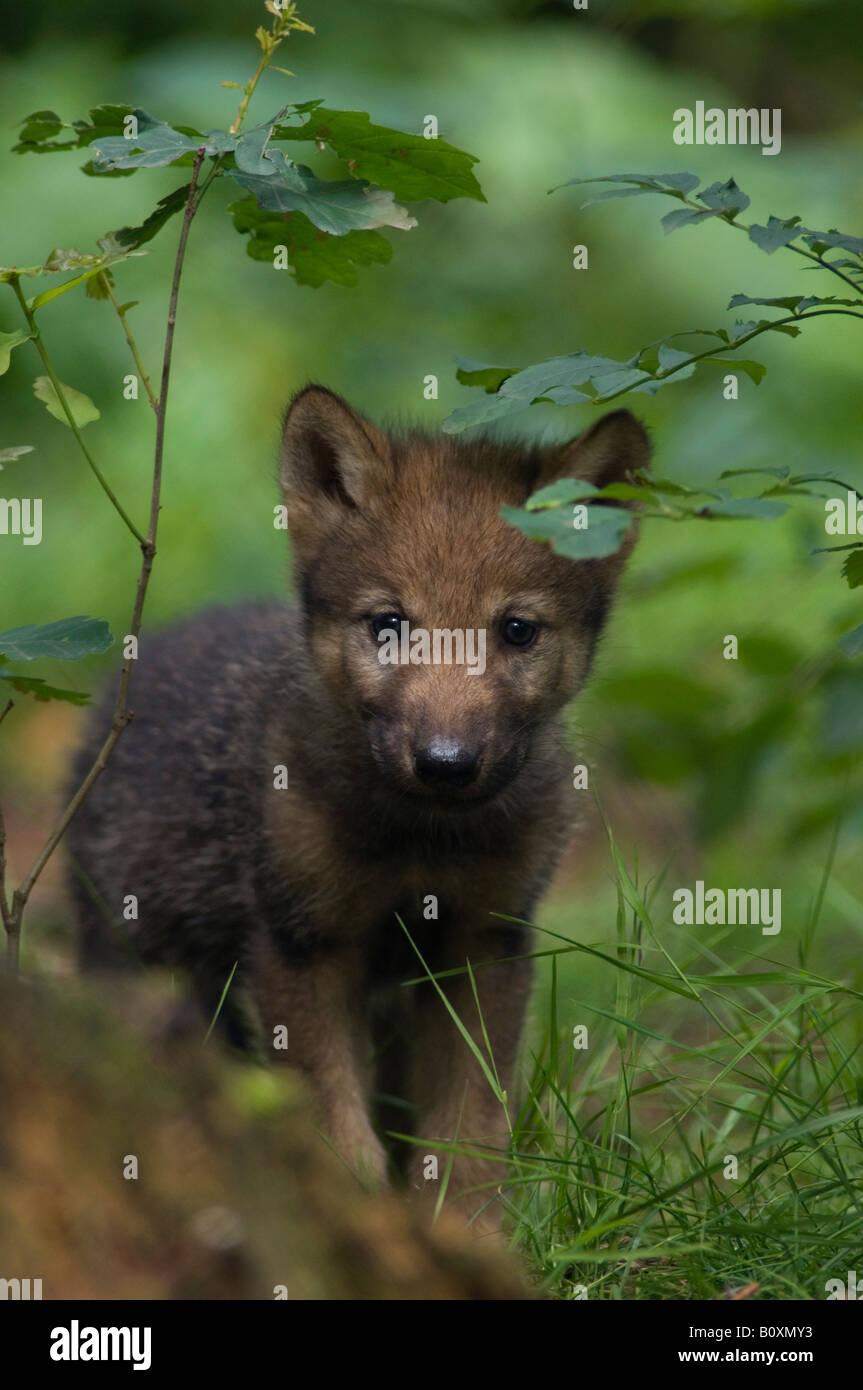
[133, 348]
[12, 943]
[756, 332]
[798, 250]
[4, 906]
[284, 22]
[249, 89]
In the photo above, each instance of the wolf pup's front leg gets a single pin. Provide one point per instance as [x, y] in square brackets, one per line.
[314, 1006]
[455, 1098]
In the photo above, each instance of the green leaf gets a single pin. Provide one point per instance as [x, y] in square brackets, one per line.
[684, 217]
[740, 328]
[485, 412]
[40, 126]
[410, 166]
[8, 341]
[82, 408]
[628, 492]
[679, 183]
[788, 490]
[334, 205]
[15, 452]
[47, 295]
[745, 508]
[10, 272]
[126, 239]
[745, 472]
[38, 131]
[482, 374]
[105, 120]
[559, 493]
[852, 642]
[313, 255]
[702, 333]
[669, 357]
[70, 258]
[158, 144]
[852, 569]
[66, 258]
[99, 286]
[647, 183]
[555, 380]
[833, 238]
[249, 154]
[756, 370]
[720, 199]
[789, 302]
[544, 525]
[669, 488]
[725, 198]
[66, 640]
[812, 300]
[546, 380]
[92, 172]
[155, 145]
[778, 232]
[482, 412]
[796, 303]
[35, 686]
[603, 535]
[617, 193]
[826, 476]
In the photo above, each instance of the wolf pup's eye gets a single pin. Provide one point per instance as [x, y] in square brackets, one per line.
[383, 621]
[518, 632]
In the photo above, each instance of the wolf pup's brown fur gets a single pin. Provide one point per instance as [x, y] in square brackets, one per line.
[422, 791]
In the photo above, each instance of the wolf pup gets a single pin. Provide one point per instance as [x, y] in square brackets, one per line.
[288, 800]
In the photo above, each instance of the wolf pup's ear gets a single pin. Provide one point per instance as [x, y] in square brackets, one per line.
[616, 445]
[332, 461]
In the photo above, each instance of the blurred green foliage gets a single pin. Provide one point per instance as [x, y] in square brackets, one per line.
[727, 764]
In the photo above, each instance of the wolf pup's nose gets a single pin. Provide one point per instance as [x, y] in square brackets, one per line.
[445, 762]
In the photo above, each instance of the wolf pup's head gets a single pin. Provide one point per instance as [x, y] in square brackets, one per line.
[449, 635]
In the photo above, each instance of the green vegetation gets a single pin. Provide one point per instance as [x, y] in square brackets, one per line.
[704, 1041]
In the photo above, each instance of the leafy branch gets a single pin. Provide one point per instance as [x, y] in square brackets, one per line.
[582, 377]
[12, 909]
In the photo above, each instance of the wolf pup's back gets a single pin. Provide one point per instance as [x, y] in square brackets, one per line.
[171, 821]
